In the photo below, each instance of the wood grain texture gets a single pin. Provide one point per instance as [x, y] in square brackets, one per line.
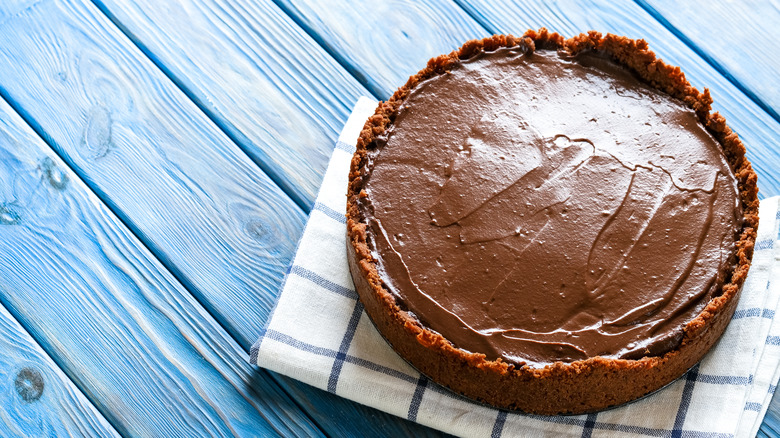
[201, 206]
[739, 38]
[384, 42]
[339, 417]
[204, 208]
[265, 82]
[276, 90]
[137, 344]
[38, 399]
[759, 131]
[771, 425]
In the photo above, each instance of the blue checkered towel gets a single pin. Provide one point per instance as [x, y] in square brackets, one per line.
[320, 335]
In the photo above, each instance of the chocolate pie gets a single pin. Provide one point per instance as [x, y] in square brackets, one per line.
[549, 225]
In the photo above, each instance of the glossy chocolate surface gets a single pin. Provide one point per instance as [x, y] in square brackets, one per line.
[544, 208]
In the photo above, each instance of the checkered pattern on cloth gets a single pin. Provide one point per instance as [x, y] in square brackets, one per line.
[319, 334]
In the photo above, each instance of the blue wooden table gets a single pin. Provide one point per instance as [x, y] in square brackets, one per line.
[158, 160]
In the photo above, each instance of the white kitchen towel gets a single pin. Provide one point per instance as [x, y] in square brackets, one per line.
[319, 334]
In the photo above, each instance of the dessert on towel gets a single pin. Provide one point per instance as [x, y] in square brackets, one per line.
[548, 225]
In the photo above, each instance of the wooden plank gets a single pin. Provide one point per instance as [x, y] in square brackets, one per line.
[205, 257]
[38, 399]
[204, 208]
[146, 354]
[771, 425]
[258, 47]
[384, 42]
[274, 90]
[738, 38]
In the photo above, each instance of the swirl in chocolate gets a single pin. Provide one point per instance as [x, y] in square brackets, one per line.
[540, 208]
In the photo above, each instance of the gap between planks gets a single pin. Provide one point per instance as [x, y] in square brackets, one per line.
[65, 370]
[180, 83]
[47, 139]
[376, 92]
[272, 174]
[708, 59]
[63, 384]
[146, 245]
[104, 199]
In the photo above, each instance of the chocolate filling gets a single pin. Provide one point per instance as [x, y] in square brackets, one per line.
[540, 207]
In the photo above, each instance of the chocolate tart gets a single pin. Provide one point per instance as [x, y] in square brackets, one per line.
[548, 225]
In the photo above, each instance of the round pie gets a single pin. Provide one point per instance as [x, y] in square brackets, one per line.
[550, 225]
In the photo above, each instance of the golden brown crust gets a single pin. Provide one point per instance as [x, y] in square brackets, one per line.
[581, 386]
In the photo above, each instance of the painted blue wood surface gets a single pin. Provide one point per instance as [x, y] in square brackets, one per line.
[252, 67]
[384, 42]
[204, 208]
[132, 339]
[220, 252]
[266, 83]
[771, 424]
[37, 398]
[739, 38]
